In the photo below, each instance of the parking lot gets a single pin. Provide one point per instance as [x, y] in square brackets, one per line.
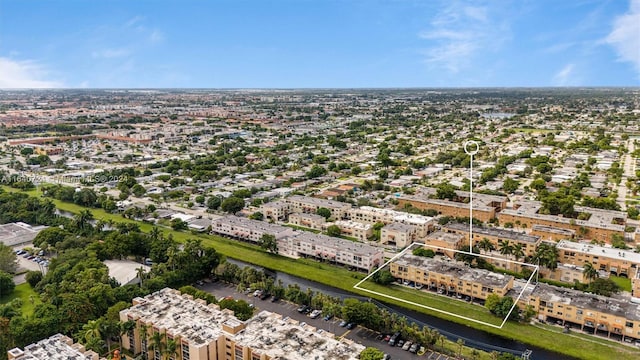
[359, 334]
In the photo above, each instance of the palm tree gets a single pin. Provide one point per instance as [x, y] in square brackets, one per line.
[460, 343]
[486, 245]
[143, 340]
[125, 328]
[172, 348]
[590, 272]
[92, 329]
[157, 344]
[82, 219]
[155, 234]
[518, 251]
[505, 247]
[141, 274]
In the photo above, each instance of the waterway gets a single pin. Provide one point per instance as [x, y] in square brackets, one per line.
[474, 338]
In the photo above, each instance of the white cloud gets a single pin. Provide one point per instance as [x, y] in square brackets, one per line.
[625, 36]
[564, 77]
[459, 32]
[24, 74]
[156, 36]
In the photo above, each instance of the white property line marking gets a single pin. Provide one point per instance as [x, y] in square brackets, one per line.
[515, 303]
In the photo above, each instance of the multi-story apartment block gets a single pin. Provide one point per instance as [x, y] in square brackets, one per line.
[496, 236]
[485, 206]
[616, 261]
[450, 276]
[372, 215]
[204, 332]
[358, 230]
[588, 311]
[311, 221]
[345, 252]
[307, 204]
[445, 243]
[296, 243]
[552, 233]
[566, 273]
[56, 347]
[275, 210]
[635, 284]
[249, 230]
[601, 224]
[398, 234]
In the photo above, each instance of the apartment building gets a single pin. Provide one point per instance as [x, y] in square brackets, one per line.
[311, 221]
[204, 332]
[496, 236]
[450, 276]
[326, 248]
[589, 312]
[248, 230]
[635, 284]
[372, 215]
[307, 204]
[615, 261]
[354, 229]
[601, 224]
[551, 233]
[448, 207]
[275, 210]
[445, 242]
[566, 273]
[56, 347]
[398, 234]
[295, 243]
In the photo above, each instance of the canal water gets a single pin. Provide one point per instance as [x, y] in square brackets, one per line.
[474, 338]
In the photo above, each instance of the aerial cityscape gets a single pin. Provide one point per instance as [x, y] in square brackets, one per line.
[249, 180]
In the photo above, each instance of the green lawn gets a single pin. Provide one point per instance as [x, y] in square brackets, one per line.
[623, 282]
[341, 278]
[27, 294]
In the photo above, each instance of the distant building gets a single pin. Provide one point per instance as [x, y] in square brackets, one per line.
[18, 233]
[398, 234]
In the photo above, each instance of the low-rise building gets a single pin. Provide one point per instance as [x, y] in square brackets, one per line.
[56, 347]
[358, 230]
[204, 332]
[616, 261]
[307, 204]
[445, 242]
[311, 221]
[372, 215]
[496, 236]
[552, 233]
[398, 234]
[601, 225]
[248, 230]
[589, 312]
[450, 276]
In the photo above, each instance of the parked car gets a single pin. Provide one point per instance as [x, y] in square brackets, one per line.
[406, 346]
[200, 282]
[328, 317]
[257, 293]
[394, 338]
[343, 323]
[414, 348]
[315, 314]
[351, 326]
[264, 296]
[387, 338]
[386, 357]
[400, 343]
[422, 351]
[275, 299]
[302, 308]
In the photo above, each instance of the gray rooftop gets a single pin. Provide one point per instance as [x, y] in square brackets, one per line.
[456, 270]
[501, 233]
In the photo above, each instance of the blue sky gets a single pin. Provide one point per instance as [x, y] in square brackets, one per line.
[318, 43]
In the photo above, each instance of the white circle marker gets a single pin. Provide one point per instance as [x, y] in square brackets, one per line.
[469, 146]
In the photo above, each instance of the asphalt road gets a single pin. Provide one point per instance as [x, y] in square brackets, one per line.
[359, 334]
